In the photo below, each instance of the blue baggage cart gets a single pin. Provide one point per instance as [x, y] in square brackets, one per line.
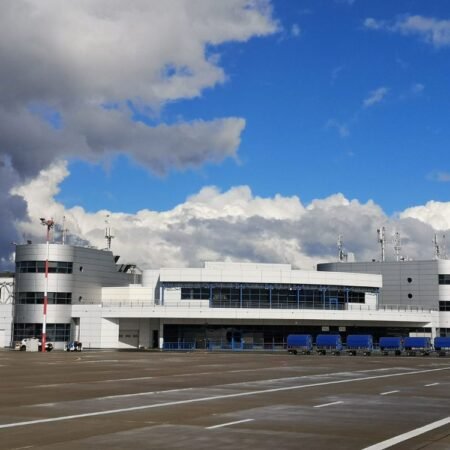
[359, 343]
[300, 343]
[329, 343]
[391, 344]
[417, 345]
[442, 345]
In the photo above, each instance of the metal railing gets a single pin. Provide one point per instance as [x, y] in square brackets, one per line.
[200, 305]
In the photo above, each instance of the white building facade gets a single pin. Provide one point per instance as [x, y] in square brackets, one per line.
[221, 305]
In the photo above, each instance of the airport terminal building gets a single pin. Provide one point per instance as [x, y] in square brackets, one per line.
[94, 299]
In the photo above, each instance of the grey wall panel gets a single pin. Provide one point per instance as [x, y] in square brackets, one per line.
[424, 285]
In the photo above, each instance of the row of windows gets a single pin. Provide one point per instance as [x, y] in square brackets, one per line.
[444, 306]
[444, 279]
[39, 267]
[229, 297]
[37, 298]
[56, 332]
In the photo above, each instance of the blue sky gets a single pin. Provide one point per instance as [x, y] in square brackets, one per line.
[307, 130]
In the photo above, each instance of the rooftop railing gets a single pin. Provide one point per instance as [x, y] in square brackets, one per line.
[203, 305]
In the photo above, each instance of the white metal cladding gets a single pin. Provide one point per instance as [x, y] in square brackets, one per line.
[414, 283]
[91, 270]
[267, 274]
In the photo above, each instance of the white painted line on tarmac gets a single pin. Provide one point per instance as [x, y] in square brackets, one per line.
[111, 380]
[212, 398]
[229, 423]
[137, 394]
[100, 361]
[43, 404]
[122, 379]
[409, 435]
[328, 404]
[431, 384]
[389, 392]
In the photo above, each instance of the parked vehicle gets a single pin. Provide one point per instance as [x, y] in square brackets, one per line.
[34, 344]
[415, 345]
[300, 343]
[329, 343]
[442, 345]
[391, 344]
[73, 346]
[359, 343]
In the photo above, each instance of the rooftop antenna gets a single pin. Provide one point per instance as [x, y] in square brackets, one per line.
[397, 241]
[64, 230]
[437, 249]
[108, 234]
[381, 240]
[342, 256]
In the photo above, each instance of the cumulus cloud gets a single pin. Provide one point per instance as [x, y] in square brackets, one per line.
[74, 74]
[375, 97]
[341, 128]
[234, 225]
[436, 214]
[433, 31]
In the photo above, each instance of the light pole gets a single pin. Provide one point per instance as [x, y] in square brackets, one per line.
[49, 224]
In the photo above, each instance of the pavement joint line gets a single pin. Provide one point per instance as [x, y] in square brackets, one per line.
[229, 423]
[431, 384]
[409, 435]
[389, 392]
[206, 399]
[328, 404]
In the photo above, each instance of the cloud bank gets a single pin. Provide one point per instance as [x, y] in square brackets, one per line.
[236, 225]
[74, 74]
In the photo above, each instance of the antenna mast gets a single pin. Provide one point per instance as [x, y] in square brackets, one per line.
[381, 241]
[342, 256]
[108, 234]
[397, 245]
[64, 230]
[437, 249]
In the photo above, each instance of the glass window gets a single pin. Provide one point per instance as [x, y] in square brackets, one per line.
[56, 332]
[444, 306]
[37, 298]
[39, 267]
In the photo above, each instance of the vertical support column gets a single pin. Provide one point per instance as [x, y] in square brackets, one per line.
[298, 297]
[270, 296]
[240, 295]
[347, 293]
[161, 294]
[161, 334]
[210, 295]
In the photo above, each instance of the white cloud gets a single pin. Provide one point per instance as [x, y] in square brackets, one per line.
[69, 70]
[373, 24]
[433, 31]
[417, 88]
[341, 128]
[436, 214]
[295, 30]
[235, 225]
[375, 97]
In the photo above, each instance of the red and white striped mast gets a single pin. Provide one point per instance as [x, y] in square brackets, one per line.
[49, 223]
